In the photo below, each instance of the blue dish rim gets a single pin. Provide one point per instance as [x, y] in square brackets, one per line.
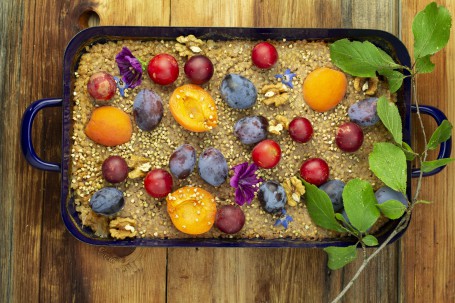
[388, 42]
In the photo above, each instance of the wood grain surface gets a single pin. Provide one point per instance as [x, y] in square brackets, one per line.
[41, 262]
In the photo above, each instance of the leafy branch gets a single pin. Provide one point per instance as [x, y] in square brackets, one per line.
[388, 161]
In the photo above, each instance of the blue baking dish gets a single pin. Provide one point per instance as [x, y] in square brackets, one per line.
[389, 43]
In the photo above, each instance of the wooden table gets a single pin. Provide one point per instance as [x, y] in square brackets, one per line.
[41, 261]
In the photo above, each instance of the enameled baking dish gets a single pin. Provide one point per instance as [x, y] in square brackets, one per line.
[75, 49]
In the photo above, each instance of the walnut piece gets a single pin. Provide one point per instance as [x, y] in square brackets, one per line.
[140, 166]
[368, 86]
[294, 189]
[122, 228]
[188, 45]
[278, 124]
[275, 94]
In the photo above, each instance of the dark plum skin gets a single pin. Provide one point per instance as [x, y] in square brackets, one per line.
[147, 110]
[364, 112]
[114, 169]
[107, 201]
[334, 189]
[238, 92]
[272, 196]
[213, 167]
[182, 161]
[101, 87]
[385, 193]
[251, 129]
[229, 219]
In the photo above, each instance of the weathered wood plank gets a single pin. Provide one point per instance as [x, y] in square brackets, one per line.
[428, 250]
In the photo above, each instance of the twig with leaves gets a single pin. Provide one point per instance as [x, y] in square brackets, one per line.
[388, 161]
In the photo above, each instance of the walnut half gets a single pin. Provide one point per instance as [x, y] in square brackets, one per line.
[368, 86]
[294, 189]
[275, 94]
[122, 228]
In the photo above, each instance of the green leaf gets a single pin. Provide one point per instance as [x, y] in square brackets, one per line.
[359, 204]
[388, 162]
[395, 79]
[428, 166]
[424, 65]
[441, 134]
[408, 152]
[392, 209]
[360, 59]
[340, 256]
[340, 217]
[431, 29]
[390, 117]
[320, 208]
[370, 240]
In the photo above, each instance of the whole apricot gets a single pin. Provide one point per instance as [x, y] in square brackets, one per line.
[193, 108]
[109, 126]
[324, 88]
[192, 210]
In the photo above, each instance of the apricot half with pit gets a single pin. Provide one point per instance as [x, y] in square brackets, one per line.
[192, 210]
[324, 88]
[193, 108]
[109, 126]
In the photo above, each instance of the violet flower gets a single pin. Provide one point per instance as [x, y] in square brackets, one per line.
[130, 68]
[244, 181]
[286, 77]
[284, 220]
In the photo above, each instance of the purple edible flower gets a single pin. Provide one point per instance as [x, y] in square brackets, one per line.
[130, 68]
[284, 220]
[286, 77]
[244, 181]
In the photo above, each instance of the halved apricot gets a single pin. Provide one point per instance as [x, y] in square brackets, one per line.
[193, 108]
[192, 210]
[109, 126]
[324, 88]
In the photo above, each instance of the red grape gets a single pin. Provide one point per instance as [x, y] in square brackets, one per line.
[114, 169]
[102, 87]
[266, 154]
[315, 171]
[158, 183]
[199, 69]
[163, 69]
[300, 129]
[349, 137]
[230, 219]
[264, 55]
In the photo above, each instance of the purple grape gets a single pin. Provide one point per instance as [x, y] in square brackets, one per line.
[182, 161]
[115, 169]
[213, 167]
[364, 112]
[230, 219]
[147, 110]
[272, 196]
[252, 129]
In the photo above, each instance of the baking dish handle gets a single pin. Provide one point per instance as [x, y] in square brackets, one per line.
[445, 147]
[26, 134]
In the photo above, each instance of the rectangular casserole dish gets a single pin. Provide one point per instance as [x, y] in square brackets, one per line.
[75, 49]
